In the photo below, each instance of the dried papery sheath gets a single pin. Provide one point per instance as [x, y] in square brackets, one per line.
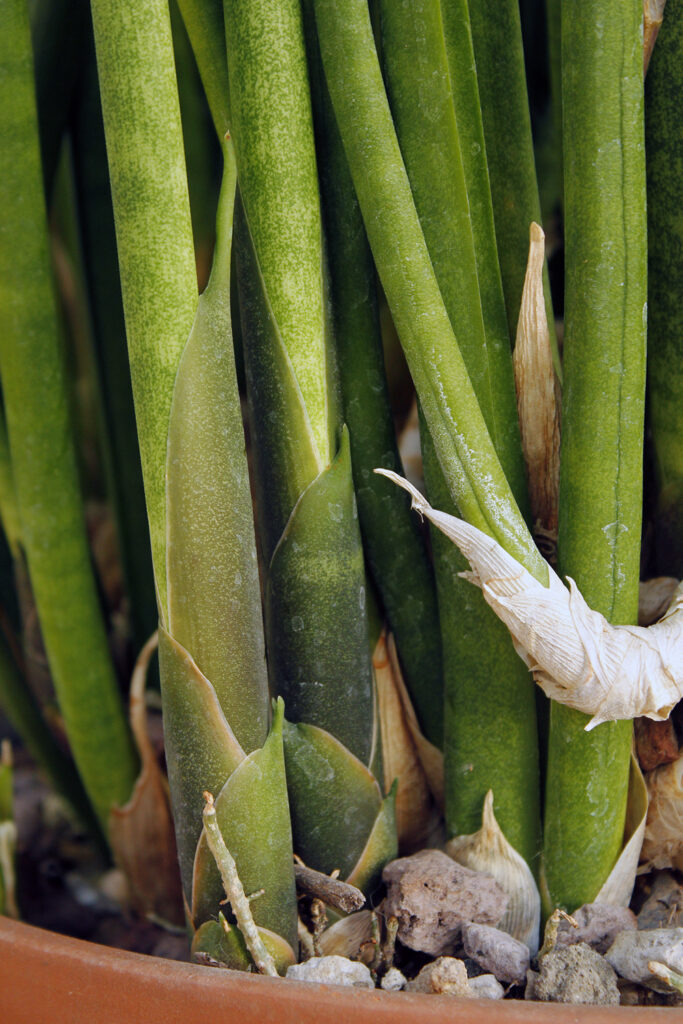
[617, 888]
[663, 843]
[576, 656]
[403, 749]
[654, 598]
[345, 937]
[488, 850]
[538, 392]
[653, 15]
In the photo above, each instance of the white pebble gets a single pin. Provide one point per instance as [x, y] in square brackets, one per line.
[332, 970]
[485, 986]
[393, 980]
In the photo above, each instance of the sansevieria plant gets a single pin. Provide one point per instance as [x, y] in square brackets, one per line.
[374, 175]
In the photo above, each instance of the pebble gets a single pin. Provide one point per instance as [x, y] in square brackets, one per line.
[599, 924]
[631, 952]
[575, 974]
[332, 970]
[444, 976]
[485, 986]
[497, 952]
[432, 896]
[664, 906]
[394, 980]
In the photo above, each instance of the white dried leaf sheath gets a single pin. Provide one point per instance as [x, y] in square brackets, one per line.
[489, 851]
[576, 656]
[537, 391]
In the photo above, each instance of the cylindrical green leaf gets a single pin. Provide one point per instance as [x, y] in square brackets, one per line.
[490, 718]
[464, 448]
[664, 141]
[98, 239]
[602, 416]
[279, 192]
[153, 227]
[42, 447]
[393, 540]
[499, 56]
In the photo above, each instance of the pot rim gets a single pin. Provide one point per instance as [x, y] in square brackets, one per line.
[45, 976]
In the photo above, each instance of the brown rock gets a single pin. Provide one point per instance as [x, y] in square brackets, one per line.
[445, 976]
[599, 924]
[656, 743]
[432, 896]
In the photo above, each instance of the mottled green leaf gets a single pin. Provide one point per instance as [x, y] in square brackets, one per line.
[228, 949]
[381, 847]
[334, 799]
[319, 647]
[284, 450]
[253, 816]
[214, 607]
[201, 750]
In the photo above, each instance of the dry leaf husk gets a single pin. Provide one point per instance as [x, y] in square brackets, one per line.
[488, 850]
[654, 597]
[141, 832]
[538, 395]
[653, 15]
[410, 449]
[407, 754]
[345, 937]
[400, 757]
[618, 887]
[663, 844]
[577, 657]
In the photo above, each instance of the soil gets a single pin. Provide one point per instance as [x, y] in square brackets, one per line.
[65, 885]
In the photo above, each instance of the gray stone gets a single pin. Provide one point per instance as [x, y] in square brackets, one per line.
[531, 979]
[664, 906]
[599, 924]
[576, 974]
[631, 952]
[485, 986]
[394, 980]
[432, 896]
[445, 976]
[505, 957]
[332, 970]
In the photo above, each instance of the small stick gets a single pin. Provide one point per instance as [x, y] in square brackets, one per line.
[319, 921]
[235, 891]
[672, 978]
[391, 929]
[551, 928]
[305, 940]
[331, 891]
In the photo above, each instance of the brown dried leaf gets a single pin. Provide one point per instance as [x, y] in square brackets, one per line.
[430, 756]
[538, 398]
[656, 743]
[653, 15]
[407, 755]
[141, 832]
[663, 844]
[654, 597]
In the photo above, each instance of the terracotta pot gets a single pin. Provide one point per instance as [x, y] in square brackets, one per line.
[50, 979]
